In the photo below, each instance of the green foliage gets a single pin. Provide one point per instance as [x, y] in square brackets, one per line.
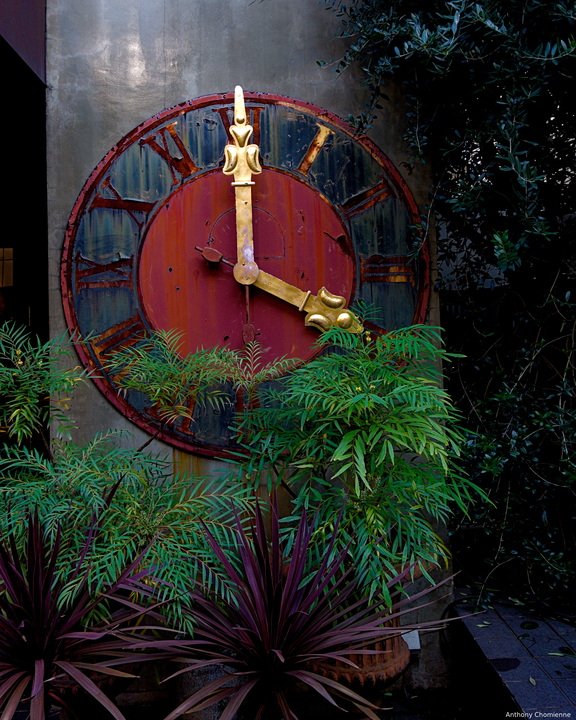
[523, 453]
[488, 87]
[248, 376]
[368, 422]
[246, 371]
[35, 386]
[172, 382]
[149, 507]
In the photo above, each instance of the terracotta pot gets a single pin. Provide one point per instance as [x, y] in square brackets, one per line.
[375, 669]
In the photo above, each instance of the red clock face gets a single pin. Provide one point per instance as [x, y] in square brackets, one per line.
[298, 236]
[329, 210]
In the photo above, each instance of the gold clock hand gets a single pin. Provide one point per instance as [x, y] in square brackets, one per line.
[323, 311]
[248, 331]
[242, 161]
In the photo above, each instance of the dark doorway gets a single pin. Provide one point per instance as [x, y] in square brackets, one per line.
[24, 230]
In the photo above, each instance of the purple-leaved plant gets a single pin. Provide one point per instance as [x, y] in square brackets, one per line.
[42, 637]
[277, 619]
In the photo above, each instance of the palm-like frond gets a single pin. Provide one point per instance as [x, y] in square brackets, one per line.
[174, 383]
[149, 503]
[249, 377]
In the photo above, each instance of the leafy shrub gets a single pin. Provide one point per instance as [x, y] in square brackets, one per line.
[368, 423]
[151, 510]
[490, 110]
[521, 407]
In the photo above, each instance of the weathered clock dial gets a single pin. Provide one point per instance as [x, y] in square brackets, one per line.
[328, 209]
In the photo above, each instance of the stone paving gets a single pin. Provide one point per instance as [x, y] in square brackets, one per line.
[534, 657]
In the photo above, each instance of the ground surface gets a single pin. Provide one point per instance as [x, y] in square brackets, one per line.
[533, 657]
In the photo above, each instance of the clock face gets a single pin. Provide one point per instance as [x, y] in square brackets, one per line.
[329, 210]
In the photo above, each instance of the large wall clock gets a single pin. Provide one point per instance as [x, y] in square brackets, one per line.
[328, 210]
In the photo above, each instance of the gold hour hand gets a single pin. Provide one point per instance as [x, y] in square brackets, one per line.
[323, 311]
[242, 160]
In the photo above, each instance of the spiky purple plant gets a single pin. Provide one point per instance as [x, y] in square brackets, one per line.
[276, 620]
[42, 638]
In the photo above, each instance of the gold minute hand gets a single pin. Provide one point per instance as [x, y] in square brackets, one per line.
[242, 161]
[323, 311]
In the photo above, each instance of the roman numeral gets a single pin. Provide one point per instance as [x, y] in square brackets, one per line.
[316, 145]
[184, 165]
[119, 203]
[123, 334]
[254, 120]
[367, 199]
[386, 269]
[121, 270]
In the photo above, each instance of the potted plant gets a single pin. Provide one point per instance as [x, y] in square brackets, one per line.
[368, 423]
[272, 618]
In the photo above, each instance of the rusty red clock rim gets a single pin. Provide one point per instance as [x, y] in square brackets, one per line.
[81, 203]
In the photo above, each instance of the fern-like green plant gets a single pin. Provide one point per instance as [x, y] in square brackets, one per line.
[369, 421]
[174, 383]
[247, 372]
[150, 509]
[35, 384]
[249, 375]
